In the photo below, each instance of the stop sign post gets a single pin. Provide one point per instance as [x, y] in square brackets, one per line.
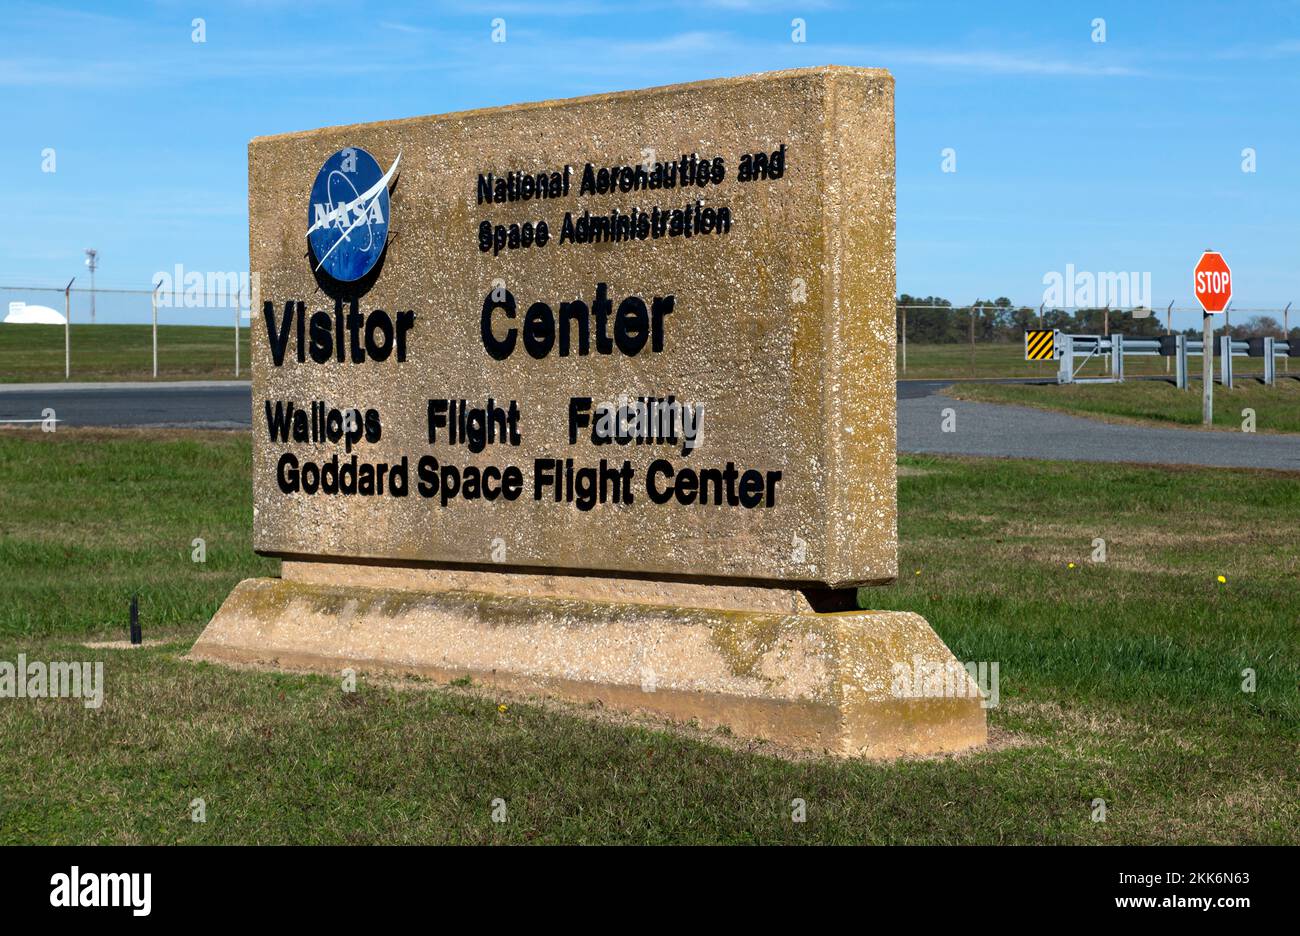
[1212, 282]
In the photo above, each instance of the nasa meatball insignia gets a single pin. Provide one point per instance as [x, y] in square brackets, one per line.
[349, 213]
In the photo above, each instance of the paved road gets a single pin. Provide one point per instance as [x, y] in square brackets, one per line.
[1024, 432]
[981, 428]
[208, 404]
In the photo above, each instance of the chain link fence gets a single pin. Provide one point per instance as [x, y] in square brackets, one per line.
[112, 334]
[50, 334]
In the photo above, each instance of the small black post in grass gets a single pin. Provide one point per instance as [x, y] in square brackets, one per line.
[136, 637]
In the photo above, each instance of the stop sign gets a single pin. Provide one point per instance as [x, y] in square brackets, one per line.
[1213, 282]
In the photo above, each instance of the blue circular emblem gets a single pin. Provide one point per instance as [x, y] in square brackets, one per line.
[347, 220]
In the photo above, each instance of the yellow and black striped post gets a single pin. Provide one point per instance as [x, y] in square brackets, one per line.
[1040, 344]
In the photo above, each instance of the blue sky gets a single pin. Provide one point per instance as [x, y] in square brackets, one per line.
[1117, 156]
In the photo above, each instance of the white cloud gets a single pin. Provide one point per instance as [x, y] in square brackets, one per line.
[1004, 63]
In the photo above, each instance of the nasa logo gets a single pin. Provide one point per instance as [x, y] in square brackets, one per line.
[348, 217]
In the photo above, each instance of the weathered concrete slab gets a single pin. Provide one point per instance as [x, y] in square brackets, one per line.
[825, 682]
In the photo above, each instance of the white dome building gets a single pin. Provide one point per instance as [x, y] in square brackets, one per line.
[20, 313]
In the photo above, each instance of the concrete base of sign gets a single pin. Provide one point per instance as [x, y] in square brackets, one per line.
[855, 684]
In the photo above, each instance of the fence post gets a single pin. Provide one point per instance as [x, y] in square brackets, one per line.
[1286, 335]
[1269, 374]
[1225, 364]
[1169, 330]
[1117, 360]
[153, 304]
[904, 330]
[239, 305]
[1180, 361]
[1110, 348]
[67, 329]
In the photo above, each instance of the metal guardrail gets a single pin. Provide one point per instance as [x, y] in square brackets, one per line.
[1073, 352]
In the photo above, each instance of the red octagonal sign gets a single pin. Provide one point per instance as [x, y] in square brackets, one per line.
[1213, 281]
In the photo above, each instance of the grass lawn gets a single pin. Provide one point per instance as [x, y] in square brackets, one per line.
[1277, 408]
[1119, 680]
[960, 360]
[34, 353]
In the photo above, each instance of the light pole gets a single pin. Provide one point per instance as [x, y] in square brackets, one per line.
[92, 261]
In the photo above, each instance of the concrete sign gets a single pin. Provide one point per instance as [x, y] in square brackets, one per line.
[634, 347]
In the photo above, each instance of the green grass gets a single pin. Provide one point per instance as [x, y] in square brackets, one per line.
[961, 360]
[1119, 680]
[1277, 408]
[88, 518]
[35, 353]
